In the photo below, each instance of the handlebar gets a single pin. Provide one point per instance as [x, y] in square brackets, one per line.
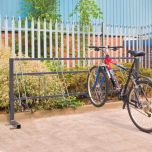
[97, 48]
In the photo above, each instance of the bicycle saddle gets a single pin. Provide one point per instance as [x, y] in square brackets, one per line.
[136, 53]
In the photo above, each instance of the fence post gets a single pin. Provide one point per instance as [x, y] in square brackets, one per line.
[13, 37]
[45, 43]
[73, 44]
[94, 41]
[121, 44]
[98, 40]
[56, 40]
[11, 95]
[78, 40]
[11, 89]
[125, 43]
[26, 38]
[0, 32]
[67, 43]
[102, 41]
[62, 42]
[32, 41]
[89, 44]
[38, 36]
[6, 32]
[83, 48]
[116, 43]
[20, 37]
[149, 54]
[50, 34]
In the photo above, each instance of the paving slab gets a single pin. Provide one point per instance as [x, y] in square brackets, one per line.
[105, 130]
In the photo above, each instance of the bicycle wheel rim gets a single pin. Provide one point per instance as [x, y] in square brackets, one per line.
[139, 111]
[97, 92]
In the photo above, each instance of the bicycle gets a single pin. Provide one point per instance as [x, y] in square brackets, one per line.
[136, 93]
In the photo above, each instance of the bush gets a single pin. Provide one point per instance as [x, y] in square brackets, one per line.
[4, 55]
[143, 72]
[32, 85]
[146, 72]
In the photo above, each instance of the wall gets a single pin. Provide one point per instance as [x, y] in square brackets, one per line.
[117, 12]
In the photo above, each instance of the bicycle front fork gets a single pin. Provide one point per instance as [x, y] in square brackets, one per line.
[97, 79]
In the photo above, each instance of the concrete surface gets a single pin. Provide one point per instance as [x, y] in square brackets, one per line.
[105, 130]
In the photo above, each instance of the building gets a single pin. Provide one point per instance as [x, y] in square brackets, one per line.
[116, 12]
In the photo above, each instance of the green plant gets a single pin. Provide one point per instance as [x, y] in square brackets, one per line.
[73, 82]
[88, 10]
[76, 82]
[146, 72]
[27, 86]
[53, 66]
[42, 9]
[56, 103]
[122, 76]
[69, 102]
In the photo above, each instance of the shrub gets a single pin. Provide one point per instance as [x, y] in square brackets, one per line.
[74, 82]
[4, 55]
[31, 85]
[146, 72]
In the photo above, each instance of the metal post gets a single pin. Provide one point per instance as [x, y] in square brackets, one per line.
[11, 90]
[11, 95]
[102, 41]
[137, 66]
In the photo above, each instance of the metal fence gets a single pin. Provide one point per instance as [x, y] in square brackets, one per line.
[37, 39]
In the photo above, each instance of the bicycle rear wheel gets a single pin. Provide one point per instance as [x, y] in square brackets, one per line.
[97, 86]
[140, 106]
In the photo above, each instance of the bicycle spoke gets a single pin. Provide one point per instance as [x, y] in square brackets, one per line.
[97, 86]
[140, 106]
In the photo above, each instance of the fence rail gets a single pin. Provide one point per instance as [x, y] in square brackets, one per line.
[37, 39]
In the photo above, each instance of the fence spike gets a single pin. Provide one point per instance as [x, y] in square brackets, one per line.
[73, 44]
[78, 40]
[50, 35]
[26, 37]
[13, 37]
[45, 43]
[67, 42]
[19, 37]
[0, 32]
[39, 35]
[6, 31]
[62, 43]
[56, 40]
[32, 31]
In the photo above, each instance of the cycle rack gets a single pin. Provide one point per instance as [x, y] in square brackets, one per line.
[12, 120]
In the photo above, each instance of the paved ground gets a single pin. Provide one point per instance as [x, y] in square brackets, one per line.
[106, 130]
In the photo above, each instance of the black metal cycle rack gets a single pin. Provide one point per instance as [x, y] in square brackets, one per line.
[12, 99]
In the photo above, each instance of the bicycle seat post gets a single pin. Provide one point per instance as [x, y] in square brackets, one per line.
[137, 65]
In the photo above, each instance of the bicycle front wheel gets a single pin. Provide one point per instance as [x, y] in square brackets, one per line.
[140, 106]
[97, 86]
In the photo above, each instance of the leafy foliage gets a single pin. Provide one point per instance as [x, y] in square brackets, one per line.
[87, 9]
[41, 9]
[27, 86]
[69, 102]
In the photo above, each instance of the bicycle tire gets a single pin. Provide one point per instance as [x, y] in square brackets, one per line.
[135, 110]
[101, 101]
